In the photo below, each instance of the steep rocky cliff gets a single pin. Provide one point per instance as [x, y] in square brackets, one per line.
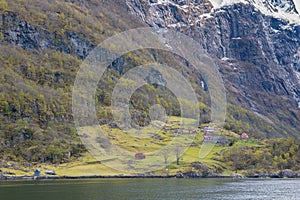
[255, 43]
[19, 32]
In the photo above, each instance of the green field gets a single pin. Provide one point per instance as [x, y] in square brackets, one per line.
[167, 149]
[150, 141]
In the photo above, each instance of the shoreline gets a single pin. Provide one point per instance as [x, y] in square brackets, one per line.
[8, 178]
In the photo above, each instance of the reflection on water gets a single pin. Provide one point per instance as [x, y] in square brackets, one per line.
[222, 189]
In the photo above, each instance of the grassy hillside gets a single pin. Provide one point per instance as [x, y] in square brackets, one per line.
[245, 156]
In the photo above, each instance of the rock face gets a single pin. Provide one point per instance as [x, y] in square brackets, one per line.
[287, 173]
[156, 78]
[18, 32]
[173, 13]
[257, 52]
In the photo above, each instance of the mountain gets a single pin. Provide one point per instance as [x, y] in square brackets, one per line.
[276, 8]
[255, 44]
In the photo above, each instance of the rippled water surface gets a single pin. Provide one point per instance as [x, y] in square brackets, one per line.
[283, 189]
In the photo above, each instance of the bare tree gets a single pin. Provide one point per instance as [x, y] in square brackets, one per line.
[236, 159]
[165, 154]
[179, 149]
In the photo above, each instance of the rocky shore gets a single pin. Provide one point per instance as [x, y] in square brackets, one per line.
[282, 174]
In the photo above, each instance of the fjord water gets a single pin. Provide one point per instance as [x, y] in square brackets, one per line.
[283, 189]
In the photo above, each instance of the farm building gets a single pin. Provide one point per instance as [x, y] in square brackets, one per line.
[222, 140]
[208, 130]
[209, 138]
[244, 136]
[140, 156]
[215, 139]
[37, 173]
[49, 172]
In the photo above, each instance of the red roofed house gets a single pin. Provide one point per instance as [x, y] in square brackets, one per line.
[244, 136]
[139, 156]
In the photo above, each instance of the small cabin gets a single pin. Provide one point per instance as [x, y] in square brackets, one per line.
[37, 173]
[194, 144]
[208, 130]
[244, 136]
[222, 140]
[140, 156]
[209, 139]
[49, 172]
[130, 162]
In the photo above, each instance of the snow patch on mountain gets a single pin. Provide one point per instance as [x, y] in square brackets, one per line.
[282, 9]
[176, 14]
[297, 4]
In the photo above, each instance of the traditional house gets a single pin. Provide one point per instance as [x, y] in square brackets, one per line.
[208, 130]
[209, 138]
[222, 140]
[140, 156]
[244, 136]
[49, 172]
